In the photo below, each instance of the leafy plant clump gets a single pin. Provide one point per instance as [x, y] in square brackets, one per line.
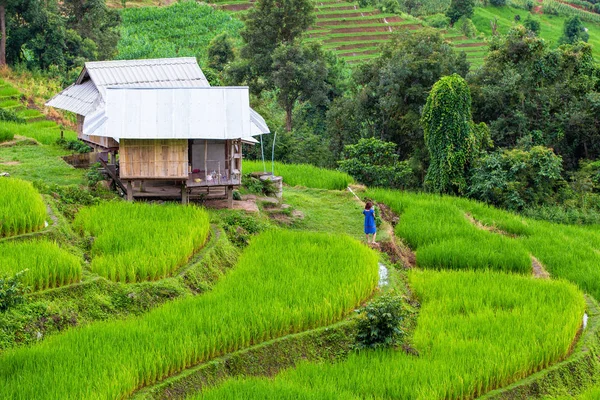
[10, 116]
[12, 290]
[379, 322]
[75, 145]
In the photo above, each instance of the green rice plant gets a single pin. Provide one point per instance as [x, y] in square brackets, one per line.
[476, 331]
[22, 209]
[284, 282]
[45, 132]
[6, 134]
[304, 175]
[134, 242]
[47, 265]
[443, 237]
[8, 92]
[183, 29]
[438, 229]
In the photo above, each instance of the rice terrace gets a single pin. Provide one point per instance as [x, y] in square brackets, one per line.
[300, 199]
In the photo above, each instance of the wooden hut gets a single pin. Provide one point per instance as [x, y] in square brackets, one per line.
[162, 130]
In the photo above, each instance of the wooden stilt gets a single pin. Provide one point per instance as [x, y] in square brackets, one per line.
[129, 191]
[230, 196]
[142, 189]
[184, 194]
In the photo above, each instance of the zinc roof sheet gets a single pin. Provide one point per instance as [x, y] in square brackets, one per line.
[80, 99]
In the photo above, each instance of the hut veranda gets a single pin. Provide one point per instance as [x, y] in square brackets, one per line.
[161, 130]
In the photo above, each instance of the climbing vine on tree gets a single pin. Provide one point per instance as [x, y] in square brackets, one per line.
[449, 134]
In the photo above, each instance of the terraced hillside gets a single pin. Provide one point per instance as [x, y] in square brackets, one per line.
[10, 99]
[355, 33]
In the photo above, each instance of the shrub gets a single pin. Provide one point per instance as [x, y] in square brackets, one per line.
[438, 21]
[379, 322]
[12, 290]
[515, 179]
[10, 116]
[374, 162]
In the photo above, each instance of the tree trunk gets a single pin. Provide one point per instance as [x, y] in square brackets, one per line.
[3, 33]
[288, 119]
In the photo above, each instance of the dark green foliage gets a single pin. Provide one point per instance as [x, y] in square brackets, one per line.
[438, 21]
[458, 9]
[379, 322]
[93, 176]
[10, 116]
[269, 24]
[69, 198]
[449, 138]
[375, 163]
[76, 146]
[257, 186]
[60, 36]
[573, 31]
[300, 72]
[531, 95]
[220, 52]
[12, 290]
[240, 227]
[467, 27]
[515, 179]
[237, 195]
[498, 3]
[532, 25]
[390, 92]
[563, 214]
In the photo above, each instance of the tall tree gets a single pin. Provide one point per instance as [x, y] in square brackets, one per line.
[449, 137]
[269, 24]
[300, 73]
[460, 8]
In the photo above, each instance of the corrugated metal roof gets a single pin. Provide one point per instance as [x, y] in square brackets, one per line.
[80, 99]
[177, 113]
[167, 72]
[88, 97]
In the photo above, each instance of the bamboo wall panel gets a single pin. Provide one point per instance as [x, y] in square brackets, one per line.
[153, 159]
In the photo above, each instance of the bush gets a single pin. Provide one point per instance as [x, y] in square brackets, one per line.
[532, 25]
[467, 27]
[256, 186]
[12, 290]
[10, 116]
[438, 21]
[515, 179]
[374, 162]
[75, 145]
[379, 322]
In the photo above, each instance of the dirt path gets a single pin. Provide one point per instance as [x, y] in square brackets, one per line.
[394, 247]
[538, 269]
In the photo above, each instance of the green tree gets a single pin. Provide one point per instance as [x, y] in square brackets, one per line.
[391, 90]
[573, 31]
[220, 52]
[527, 92]
[375, 163]
[532, 25]
[300, 74]
[449, 136]
[460, 8]
[269, 24]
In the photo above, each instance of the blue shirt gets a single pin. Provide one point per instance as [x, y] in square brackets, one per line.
[369, 218]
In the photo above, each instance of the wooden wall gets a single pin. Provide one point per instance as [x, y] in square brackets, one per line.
[153, 158]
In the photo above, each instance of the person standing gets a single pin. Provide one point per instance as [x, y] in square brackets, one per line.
[370, 228]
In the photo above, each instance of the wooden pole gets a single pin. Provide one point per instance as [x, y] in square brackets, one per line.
[129, 191]
[205, 160]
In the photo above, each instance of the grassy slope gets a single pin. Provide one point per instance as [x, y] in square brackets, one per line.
[39, 163]
[551, 25]
[328, 211]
